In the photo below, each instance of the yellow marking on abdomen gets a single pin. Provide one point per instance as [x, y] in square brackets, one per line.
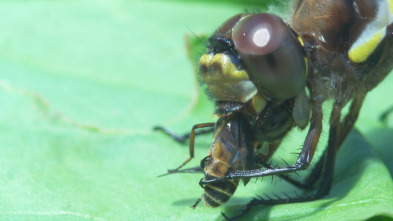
[219, 190]
[218, 201]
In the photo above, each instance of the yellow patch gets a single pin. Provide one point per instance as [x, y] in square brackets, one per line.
[305, 58]
[224, 81]
[391, 6]
[301, 40]
[361, 52]
[219, 68]
[258, 103]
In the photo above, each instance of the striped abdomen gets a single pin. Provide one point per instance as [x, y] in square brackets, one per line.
[218, 193]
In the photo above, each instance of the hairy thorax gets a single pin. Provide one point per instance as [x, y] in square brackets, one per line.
[348, 43]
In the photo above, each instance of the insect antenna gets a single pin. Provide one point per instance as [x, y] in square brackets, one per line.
[202, 41]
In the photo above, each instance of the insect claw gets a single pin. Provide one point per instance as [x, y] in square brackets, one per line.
[201, 183]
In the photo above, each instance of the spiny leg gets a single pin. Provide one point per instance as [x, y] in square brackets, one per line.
[289, 179]
[304, 159]
[267, 200]
[262, 159]
[327, 168]
[181, 138]
[345, 127]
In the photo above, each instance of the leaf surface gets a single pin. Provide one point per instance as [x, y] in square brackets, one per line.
[82, 83]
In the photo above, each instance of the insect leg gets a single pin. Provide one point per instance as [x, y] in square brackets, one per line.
[326, 164]
[290, 180]
[262, 159]
[345, 127]
[192, 139]
[385, 114]
[351, 117]
[181, 138]
[304, 158]
[197, 169]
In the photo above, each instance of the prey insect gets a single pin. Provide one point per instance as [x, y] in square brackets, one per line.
[257, 71]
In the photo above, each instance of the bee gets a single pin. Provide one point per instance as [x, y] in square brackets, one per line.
[266, 76]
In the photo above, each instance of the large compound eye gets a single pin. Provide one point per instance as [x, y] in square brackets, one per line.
[272, 55]
[226, 28]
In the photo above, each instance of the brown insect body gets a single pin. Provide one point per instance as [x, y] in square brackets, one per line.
[232, 149]
[238, 146]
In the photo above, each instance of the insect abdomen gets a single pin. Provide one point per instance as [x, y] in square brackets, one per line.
[218, 193]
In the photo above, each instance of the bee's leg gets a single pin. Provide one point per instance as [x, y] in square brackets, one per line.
[303, 161]
[192, 139]
[181, 138]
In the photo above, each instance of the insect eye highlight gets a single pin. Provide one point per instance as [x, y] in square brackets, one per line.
[272, 55]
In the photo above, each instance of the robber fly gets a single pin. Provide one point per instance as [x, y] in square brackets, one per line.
[257, 71]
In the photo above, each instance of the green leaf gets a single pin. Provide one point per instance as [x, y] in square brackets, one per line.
[82, 83]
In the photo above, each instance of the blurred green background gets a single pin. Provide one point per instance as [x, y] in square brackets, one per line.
[82, 83]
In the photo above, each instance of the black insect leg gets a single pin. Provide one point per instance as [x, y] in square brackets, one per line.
[351, 117]
[267, 200]
[304, 159]
[181, 138]
[192, 139]
[325, 166]
[345, 127]
[290, 180]
[197, 169]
